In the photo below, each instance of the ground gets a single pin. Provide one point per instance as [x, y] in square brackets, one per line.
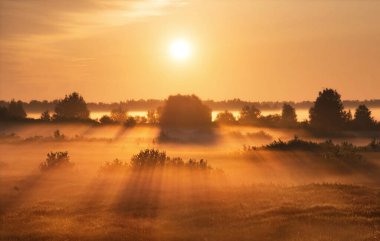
[283, 197]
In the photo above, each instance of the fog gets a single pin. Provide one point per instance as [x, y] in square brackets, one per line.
[243, 195]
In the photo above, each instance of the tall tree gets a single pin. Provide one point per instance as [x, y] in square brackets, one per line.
[288, 115]
[185, 111]
[363, 119]
[225, 117]
[73, 106]
[249, 114]
[16, 110]
[119, 114]
[328, 112]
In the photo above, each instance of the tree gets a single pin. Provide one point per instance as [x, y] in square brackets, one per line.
[153, 116]
[16, 110]
[72, 106]
[4, 115]
[119, 114]
[363, 119]
[45, 116]
[328, 112]
[185, 111]
[288, 116]
[130, 122]
[249, 114]
[106, 120]
[225, 117]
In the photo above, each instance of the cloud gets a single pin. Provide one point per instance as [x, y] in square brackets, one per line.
[31, 29]
[61, 18]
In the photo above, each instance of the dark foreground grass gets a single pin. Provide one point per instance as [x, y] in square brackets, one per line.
[170, 206]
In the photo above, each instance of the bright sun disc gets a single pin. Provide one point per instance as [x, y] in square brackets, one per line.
[180, 49]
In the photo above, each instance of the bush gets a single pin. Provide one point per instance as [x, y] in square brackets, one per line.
[56, 160]
[294, 144]
[156, 158]
[149, 157]
[130, 122]
[58, 135]
[225, 117]
[114, 166]
[105, 119]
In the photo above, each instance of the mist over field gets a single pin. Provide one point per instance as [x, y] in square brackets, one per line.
[183, 120]
[265, 195]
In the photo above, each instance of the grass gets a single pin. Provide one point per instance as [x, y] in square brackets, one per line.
[259, 212]
[344, 157]
[167, 203]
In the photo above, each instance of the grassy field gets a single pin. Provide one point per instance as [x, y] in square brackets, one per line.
[273, 196]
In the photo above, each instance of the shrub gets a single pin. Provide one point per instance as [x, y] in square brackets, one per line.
[294, 144]
[58, 135]
[156, 158]
[105, 119]
[56, 160]
[225, 117]
[149, 157]
[130, 122]
[346, 156]
[114, 166]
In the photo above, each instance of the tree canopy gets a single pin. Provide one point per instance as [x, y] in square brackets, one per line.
[328, 113]
[73, 106]
[185, 111]
[288, 115]
[363, 118]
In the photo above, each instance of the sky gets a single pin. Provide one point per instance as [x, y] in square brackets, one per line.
[256, 50]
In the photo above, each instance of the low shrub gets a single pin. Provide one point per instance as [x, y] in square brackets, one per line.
[114, 166]
[344, 155]
[56, 160]
[156, 158]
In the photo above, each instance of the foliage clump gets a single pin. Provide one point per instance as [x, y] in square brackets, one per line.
[328, 112]
[14, 111]
[184, 111]
[156, 158]
[72, 107]
[346, 155]
[114, 166]
[55, 160]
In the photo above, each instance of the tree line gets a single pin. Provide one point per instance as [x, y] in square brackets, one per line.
[149, 104]
[326, 114]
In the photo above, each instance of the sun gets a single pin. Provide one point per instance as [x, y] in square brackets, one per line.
[180, 49]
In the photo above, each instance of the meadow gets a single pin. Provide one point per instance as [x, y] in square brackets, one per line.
[261, 194]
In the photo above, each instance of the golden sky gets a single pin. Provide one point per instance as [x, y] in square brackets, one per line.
[111, 50]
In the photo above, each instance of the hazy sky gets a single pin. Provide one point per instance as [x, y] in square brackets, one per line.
[111, 50]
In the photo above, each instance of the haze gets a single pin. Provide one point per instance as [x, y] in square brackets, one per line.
[254, 50]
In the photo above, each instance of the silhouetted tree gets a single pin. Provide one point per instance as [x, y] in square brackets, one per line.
[140, 119]
[4, 115]
[72, 106]
[153, 116]
[288, 116]
[119, 114]
[270, 120]
[225, 117]
[130, 122]
[363, 119]
[328, 111]
[45, 116]
[249, 114]
[185, 111]
[106, 120]
[16, 110]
